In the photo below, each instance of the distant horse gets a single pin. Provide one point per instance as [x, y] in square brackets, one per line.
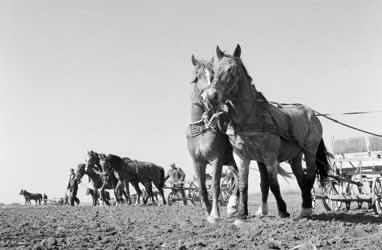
[37, 197]
[95, 178]
[208, 145]
[106, 195]
[135, 171]
[263, 132]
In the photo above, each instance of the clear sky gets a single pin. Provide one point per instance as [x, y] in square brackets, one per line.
[113, 76]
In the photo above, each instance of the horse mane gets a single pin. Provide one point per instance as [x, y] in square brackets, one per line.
[260, 95]
[242, 65]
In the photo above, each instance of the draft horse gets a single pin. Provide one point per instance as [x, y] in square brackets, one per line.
[264, 132]
[37, 197]
[209, 145]
[126, 169]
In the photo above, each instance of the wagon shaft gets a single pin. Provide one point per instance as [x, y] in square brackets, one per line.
[352, 197]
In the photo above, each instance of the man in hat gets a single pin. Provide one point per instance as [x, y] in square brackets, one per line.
[45, 198]
[177, 177]
[73, 188]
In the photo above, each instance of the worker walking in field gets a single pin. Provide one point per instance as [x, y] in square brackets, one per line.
[177, 177]
[73, 188]
[45, 198]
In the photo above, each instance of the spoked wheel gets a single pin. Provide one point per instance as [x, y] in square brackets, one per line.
[347, 204]
[224, 197]
[173, 198]
[330, 205]
[377, 196]
[359, 205]
[194, 197]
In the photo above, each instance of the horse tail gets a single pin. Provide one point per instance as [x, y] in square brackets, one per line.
[322, 162]
[162, 176]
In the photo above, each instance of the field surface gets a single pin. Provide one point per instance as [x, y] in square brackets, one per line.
[183, 227]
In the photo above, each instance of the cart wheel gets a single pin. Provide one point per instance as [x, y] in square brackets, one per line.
[224, 197]
[330, 205]
[347, 204]
[194, 197]
[377, 196]
[360, 205]
[313, 198]
[173, 198]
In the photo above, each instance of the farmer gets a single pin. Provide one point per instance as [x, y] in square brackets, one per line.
[45, 198]
[73, 188]
[177, 177]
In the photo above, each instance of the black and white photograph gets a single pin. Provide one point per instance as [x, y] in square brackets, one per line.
[191, 124]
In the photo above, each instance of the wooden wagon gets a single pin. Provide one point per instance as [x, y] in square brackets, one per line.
[356, 176]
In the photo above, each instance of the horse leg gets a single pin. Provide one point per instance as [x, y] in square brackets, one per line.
[309, 178]
[123, 191]
[243, 167]
[233, 200]
[275, 188]
[264, 187]
[107, 199]
[118, 191]
[216, 174]
[149, 189]
[161, 192]
[95, 196]
[200, 171]
[298, 171]
[137, 190]
[127, 189]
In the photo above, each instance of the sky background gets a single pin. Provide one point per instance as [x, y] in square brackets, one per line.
[114, 76]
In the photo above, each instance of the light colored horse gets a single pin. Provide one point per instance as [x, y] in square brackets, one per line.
[263, 132]
[209, 145]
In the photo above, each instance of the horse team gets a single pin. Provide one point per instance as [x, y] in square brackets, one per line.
[232, 123]
[111, 172]
[37, 197]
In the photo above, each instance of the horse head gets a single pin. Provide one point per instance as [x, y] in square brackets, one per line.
[104, 162]
[228, 72]
[80, 171]
[203, 71]
[92, 161]
[22, 191]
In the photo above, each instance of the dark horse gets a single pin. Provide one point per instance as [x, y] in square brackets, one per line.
[263, 132]
[37, 197]
[94, 170]
[125, 169]
[211, 146]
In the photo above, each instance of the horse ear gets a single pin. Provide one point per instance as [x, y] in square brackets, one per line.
[195, 80]
[193, 60]
[237, 52]
[212, 60]
[219, 53]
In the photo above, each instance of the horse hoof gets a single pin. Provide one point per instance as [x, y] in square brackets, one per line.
[212, 219]
[260, 213]
[306, 212]
[239, 222]
[231, 211]
[284, 214]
